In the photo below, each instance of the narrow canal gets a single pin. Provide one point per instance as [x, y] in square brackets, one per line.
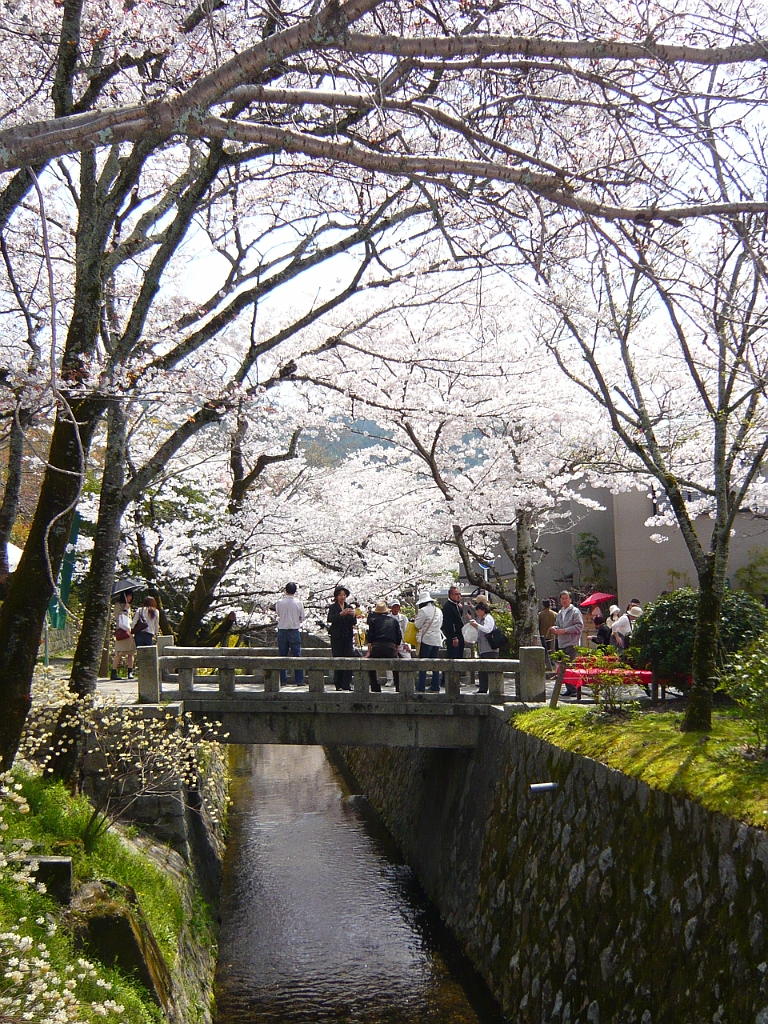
[321, 919]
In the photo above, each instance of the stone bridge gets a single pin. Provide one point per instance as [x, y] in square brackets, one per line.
[240, 688]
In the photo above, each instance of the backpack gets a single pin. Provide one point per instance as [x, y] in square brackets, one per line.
[498, 639]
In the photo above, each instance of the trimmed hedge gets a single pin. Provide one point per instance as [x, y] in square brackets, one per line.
[663, 635]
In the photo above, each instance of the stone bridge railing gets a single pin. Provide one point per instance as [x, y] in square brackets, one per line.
[167, 673]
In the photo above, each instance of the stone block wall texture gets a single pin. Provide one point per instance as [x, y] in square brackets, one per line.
[605, 901]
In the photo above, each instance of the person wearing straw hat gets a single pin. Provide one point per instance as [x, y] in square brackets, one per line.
[384, 635]
[428, 622]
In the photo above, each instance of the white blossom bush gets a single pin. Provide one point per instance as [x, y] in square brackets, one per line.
[42, 979]
[136, 756]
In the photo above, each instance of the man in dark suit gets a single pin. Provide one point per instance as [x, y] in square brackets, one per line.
[453, 623]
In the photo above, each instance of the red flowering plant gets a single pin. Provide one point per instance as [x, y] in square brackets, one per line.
[607, 677]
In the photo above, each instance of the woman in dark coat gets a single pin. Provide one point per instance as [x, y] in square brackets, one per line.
[384, 637]
[341, 626]
[603, 635]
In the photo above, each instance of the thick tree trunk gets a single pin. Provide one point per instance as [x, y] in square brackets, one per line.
[698, 715]
[149, 571]
[10, 504]
[85, 667]
[23, 611]
[203, 593]
[526, 618]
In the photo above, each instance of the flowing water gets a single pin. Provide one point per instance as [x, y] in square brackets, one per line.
[322, 921]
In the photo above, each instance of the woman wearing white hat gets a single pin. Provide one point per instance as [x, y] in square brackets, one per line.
[622, 627]
[428, 621]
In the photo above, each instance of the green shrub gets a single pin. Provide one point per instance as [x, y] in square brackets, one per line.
[745, 679]
[663, 636]
[56, 824]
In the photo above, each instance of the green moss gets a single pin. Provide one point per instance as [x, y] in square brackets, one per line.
[709, 768]
[56, 825]
[32, 912]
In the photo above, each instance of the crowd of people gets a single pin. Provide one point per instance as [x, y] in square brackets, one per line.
[437, 631]
[385, 632]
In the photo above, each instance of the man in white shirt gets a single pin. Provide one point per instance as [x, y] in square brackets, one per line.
[290, 615]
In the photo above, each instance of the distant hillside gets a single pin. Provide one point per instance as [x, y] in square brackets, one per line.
[332, 446]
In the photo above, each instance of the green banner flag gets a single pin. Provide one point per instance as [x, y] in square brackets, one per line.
[57, 614]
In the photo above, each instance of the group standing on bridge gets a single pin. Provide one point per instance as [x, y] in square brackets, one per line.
[388, 633]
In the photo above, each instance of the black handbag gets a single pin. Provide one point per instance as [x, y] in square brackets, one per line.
[497, 639]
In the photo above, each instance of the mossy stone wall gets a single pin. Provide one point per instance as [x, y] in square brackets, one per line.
[605, 901]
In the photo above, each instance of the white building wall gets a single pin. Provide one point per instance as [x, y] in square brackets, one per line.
[643, 566]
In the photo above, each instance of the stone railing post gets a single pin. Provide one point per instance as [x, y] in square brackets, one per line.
[163, 641]
[495, 682]
[186, 681]
[271, 680]
[407, 679]
[226, 680]
[316, 680]
[452, 681]
[532, 675]
[360, 681]
[148, 675]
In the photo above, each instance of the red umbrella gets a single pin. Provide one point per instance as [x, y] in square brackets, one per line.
[596, 599]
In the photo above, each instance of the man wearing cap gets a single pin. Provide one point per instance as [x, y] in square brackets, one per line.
[622, 627]
[341, 626]
[290, 615]
[383, 637]
[394, 609]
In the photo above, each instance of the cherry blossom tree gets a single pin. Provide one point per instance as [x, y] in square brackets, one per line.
[666, 329]
[466, 404]
[134, 121]
[357, 521]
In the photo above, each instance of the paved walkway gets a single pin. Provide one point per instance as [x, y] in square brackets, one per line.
[123, 690]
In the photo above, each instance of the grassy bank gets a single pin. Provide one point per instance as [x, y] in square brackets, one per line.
[46, 820]
[710, 768]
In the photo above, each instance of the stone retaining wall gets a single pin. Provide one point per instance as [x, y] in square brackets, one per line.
[605, 901]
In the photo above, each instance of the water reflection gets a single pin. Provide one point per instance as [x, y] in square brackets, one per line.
[321, 919]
